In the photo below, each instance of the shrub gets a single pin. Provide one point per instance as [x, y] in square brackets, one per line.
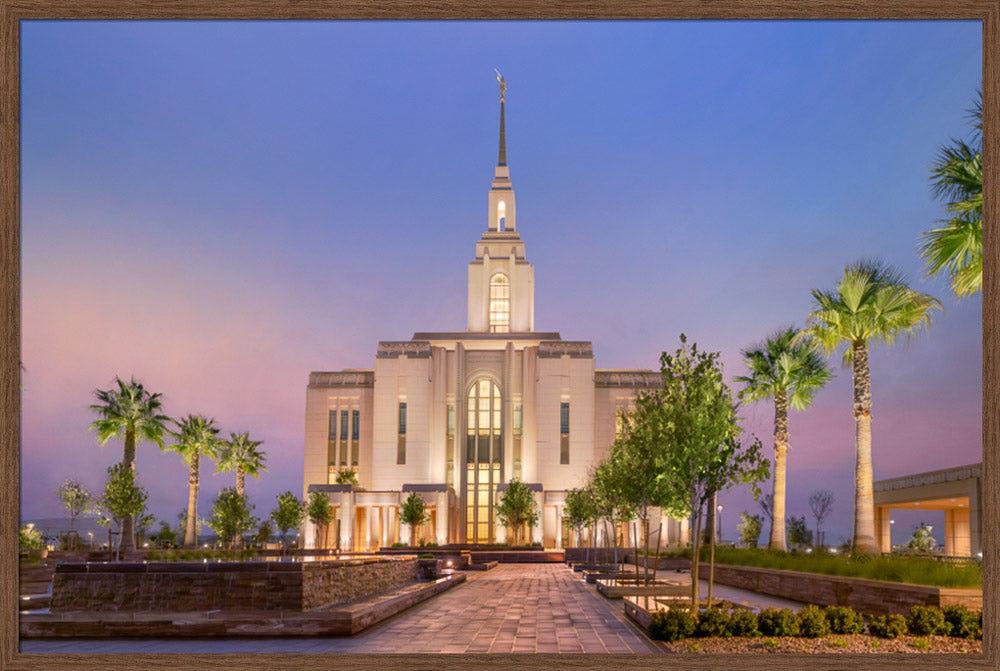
[887, 626]
[671, 625]
[399, 545]
[425, 555]
[844, 620]
[712, 622]
[743, 623]
[30, 538]
[927, 621]
[813, 622]
[778, 622]
[964, 622]
[921, 644]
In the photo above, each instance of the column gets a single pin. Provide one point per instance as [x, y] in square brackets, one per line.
[441, 523]
[346, 521]
[537, 531]
[559, 515]
[883, 528]
[391, 531]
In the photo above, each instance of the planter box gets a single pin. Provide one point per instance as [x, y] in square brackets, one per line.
[612, 589]
[873, 597]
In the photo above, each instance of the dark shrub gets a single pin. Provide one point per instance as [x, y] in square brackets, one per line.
[964, 622]
[743, 623]
[927, 621]
[887, 626]
[778, 622]
[844, 620]
[813, 623]
[671, 625]
[712, 622]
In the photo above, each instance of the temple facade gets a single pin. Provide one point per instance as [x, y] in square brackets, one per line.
[456, 415]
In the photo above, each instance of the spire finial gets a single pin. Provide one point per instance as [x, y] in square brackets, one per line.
[502, 156]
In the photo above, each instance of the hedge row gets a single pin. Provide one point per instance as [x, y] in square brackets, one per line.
[812, 622]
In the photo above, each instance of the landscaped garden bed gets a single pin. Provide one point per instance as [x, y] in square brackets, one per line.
[815, 630]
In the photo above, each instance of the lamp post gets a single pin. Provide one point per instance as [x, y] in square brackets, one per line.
[718, 521]
[891, 522]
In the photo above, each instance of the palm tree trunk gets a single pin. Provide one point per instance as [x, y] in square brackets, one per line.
[777, 541]
[864, 502]
[190, 532]
[126, 542]
[240, 489]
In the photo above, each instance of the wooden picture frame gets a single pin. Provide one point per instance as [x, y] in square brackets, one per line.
[13, 11]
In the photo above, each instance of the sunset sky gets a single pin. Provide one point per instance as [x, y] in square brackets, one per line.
[219, 208]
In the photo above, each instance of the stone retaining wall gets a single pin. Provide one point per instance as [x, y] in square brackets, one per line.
[201, 586]
[867, 596]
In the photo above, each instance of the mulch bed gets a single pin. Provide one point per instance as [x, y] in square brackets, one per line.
[831, 644]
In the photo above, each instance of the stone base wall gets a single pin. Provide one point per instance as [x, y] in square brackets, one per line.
[867, 596]
[201, 586]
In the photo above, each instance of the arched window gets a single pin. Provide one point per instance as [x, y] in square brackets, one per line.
[499, 304]
[483, 457]
[501, 215]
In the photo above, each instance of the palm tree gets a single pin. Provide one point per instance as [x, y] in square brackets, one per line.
[240, 454]
[196, 436]
[790, 371]
[956, 248]
[871, 302]
[128, 412]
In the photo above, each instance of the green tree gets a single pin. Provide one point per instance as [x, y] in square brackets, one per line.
[413, 512]
[580, 510]
[922, 540]
[694, 417]
[611, 483]
[75, 498]
[232, 516]
[790, 371]
[517, 508]
[197, 435]
[871, 302]
[347, 477]
[123, 500]
[240, 454]
[749, 528]
[288, 515]
[799, 535]
[320, 513]
[130, 413]
[263, 534]
[956, 247]
[30, 538]
[165, 537]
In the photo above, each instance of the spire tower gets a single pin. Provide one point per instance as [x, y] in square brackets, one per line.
[502, 154]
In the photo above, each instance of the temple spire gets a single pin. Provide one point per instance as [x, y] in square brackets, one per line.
[502, 155]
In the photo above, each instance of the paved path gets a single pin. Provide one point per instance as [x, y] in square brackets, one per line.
[533, 608]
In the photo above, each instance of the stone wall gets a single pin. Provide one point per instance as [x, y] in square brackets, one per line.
[867, 596]
[201, 586]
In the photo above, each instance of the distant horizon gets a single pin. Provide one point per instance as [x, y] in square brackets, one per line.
[219, 208]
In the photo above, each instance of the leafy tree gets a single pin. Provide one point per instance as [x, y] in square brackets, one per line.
[871, 302]
[30, 538]
[263, 534]
[581, 510]
[347, 477]
[288, 515]
[143, 523]
[320, 513]
[517, 508]
[129, 413]
[614, 506]
[694, 417]
[821, 502]
[798, 532]
[197, 435]
[956, 248]
[76, 500]
[413, 512]
[749, 528]
[790, 371]
[122, 500]
[240, 454]
[165, 537]
[232, 516]
[922, 540]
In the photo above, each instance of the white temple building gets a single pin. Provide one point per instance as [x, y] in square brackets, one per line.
[455, 415]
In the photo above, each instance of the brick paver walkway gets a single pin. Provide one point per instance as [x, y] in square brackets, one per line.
[532, 608]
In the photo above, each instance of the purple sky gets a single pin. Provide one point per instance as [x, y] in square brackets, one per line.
[218, 208]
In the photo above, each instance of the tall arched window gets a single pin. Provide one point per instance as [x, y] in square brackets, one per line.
[483, 456]
[501, 216]
[499, 304]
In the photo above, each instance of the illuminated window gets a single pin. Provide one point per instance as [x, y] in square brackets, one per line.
[401, 443]
[564, 433]
[501, 216]
[484, 454]
[355, 431]
[499, 304]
